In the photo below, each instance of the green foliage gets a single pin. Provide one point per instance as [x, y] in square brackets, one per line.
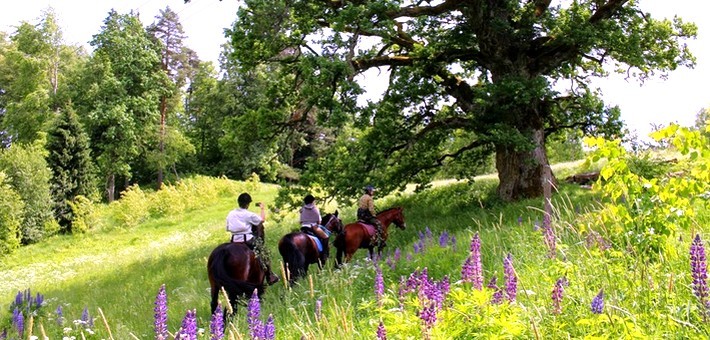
[132, 209]
[84, 213]
[460, 87]
[645, 208]
[69, 159]
[27, 173]
[565, 147]
[11, 217]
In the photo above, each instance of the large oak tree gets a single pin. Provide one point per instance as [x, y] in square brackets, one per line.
[466, 79]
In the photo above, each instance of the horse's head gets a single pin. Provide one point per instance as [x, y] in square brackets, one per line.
[393, 215]
[333, 223]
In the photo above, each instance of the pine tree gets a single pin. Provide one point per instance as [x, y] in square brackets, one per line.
[70, 161]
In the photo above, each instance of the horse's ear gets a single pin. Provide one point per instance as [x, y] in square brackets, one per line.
[335, 213]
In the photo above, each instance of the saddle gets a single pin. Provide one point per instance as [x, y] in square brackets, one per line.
[369, 228]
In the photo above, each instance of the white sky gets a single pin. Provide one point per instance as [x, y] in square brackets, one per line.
[677, 99]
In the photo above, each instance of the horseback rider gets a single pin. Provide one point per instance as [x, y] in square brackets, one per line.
[310, 219]
[248, 228]
[366, 213]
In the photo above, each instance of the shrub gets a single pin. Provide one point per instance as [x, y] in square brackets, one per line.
[132, 208]
[11, 206]
[84, 214]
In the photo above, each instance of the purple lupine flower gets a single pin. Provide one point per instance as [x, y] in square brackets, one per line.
[390, 262]
[536, 225]
[161, 314]
[476, 266]
[86, 318]
[467, 270]
[497, 297]
[698, 267]
[397, 254]
[319, 309]
[409, 257]
[18, 299]
[3, 335]
[416, 248]
[18, 320]
[217, 324]
[379, 286]
[520, 220]
[550, 242]
[39, 300]
[253, 312]
[453, 242]
[28, 296]
[381, 331]
[557, 293]
[511, 280]
[428, 314]
[60, 315]
[444, 239]
[429, 234]
[598, 303]
[188, 329]
[269, 332]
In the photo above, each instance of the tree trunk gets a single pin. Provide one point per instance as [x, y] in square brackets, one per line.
[521, 172]
[111, 187]
[161, 142]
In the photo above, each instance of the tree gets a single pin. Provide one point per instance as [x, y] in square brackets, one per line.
[11, 207]
[176, 61]
[69, 158]
[119, 94]
[28, 175]
[483, 69]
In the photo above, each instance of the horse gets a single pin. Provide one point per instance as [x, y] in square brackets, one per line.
[355, 235]
[234, 267]
[299, 250]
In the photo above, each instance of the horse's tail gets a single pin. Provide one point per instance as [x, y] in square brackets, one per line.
[294, 259]
[217, 269]
[339, 244]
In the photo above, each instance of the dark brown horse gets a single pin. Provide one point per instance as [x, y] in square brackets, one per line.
[356, 236]
[300, 251]
[235, 267]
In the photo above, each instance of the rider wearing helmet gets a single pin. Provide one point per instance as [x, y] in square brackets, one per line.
[366, 213]
[248, 228]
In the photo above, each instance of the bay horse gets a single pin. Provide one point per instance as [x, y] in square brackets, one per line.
[356, 236]
[299, 250]
[235, 267]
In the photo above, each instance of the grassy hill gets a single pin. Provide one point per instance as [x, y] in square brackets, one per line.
[119, 270]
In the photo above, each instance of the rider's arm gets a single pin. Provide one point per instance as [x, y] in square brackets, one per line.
[263, 212]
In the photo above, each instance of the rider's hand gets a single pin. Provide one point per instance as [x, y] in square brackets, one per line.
[260, 205]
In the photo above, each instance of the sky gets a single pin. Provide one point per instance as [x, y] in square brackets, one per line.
[675, 99]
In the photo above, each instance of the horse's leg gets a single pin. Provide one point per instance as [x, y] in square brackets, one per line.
[215, 297]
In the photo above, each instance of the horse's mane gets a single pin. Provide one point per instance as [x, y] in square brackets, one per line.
[387, 210]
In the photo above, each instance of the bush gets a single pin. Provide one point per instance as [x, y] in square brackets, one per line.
[28, 174]
[11, 206]
[132, 208]
[84, 214]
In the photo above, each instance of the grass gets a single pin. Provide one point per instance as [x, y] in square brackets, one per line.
[120, 271]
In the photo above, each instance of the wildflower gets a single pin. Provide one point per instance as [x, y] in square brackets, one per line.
[381, 332]
[557, 293]
[520, 220]
[428, 314]
[497, 292]
[409, 257]
[598, 303]
[3, 335]
[429, 234]
[549, 235]
[476, 267]
[18, 320]
[39, 300]
[319, 309]
[467, 270]
[86, 318]
[379, 286]
[60, 315]
[453, 243]
[443, 239]
[18, 299]
[397, 254]
[269, 331]
[161, 314]
[511, 280]
[698, 268]
[188, 329]
[253, 312]
[217, 324]
[390, 262]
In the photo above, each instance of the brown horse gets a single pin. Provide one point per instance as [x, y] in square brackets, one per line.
[300, 251]
[235, 267]
[355, 235]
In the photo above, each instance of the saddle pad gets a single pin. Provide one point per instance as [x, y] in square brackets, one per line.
[370, 229]
[318, 243]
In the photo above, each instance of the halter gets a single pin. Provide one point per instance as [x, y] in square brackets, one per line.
[327, 226]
